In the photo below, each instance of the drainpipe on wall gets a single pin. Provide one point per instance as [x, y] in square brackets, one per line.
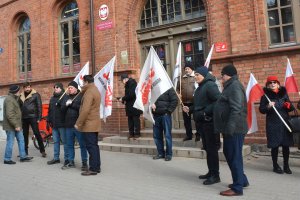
[92, 36]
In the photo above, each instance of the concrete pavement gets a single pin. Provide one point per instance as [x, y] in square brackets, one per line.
[128, 176]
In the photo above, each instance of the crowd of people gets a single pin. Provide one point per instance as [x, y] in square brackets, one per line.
[75, 114]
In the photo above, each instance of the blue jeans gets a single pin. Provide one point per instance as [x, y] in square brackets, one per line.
[59, 134]
[232, 149]
[163, 125]
[10, 144]
[71, 133]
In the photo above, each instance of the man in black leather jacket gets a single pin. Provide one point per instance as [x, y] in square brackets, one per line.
[31, 105]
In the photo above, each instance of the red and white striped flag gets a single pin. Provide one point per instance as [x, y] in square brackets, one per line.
[290, 81]
[253, 93]
[206, 64]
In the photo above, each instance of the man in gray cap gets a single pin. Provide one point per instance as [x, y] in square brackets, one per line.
[12, 124]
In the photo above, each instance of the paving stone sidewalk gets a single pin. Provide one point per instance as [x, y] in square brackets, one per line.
[127, 176]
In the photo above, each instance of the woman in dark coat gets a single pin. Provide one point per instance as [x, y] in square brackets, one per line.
[277, 133]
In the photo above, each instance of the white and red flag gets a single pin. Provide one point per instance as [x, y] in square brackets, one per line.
[290, 81]
[153, 82]
[79, 78]
[177, 70]
[206, 64]
[104, 81]
[253, 93]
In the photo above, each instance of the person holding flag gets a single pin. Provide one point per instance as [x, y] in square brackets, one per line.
[133, 114]
[276, 97]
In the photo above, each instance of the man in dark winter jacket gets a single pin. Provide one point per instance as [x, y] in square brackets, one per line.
[56, 120]
[12, 122]
[205, 98]
[230, 119]
[31, 115]
[162, 110]
[133, 114]
[70, 105]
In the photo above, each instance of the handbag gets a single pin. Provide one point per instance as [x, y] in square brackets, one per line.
[294, 122]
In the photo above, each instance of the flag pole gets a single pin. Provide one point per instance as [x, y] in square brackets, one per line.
[279, 115]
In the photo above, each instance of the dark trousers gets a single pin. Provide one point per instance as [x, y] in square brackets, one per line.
[34, 126]
[211, 144]
[187, 120]
[134, 125]
[91, 141]
[232, 149]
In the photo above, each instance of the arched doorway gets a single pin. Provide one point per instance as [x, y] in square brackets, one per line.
[166, 23]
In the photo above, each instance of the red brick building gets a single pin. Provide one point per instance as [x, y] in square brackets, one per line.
[49, 41]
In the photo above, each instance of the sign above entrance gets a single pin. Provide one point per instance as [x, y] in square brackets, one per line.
[104, 25]
[103, 12]
[221, 47]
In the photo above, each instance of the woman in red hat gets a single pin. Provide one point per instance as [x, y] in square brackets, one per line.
[277, 133]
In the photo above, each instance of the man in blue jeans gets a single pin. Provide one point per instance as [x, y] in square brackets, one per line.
[70, 106]
[56, 120]
[162, 110]
[12, 124]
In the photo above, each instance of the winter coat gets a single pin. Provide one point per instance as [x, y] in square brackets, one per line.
[277, 133]
[205, 98]
[12, 116]
[56, 117]
[71, 112]
[187, 88]
[166, 103]
[130, 98]
[230, 111]
[31, 105]
[89, 113]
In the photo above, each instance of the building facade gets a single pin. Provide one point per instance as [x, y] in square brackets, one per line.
[49, 41]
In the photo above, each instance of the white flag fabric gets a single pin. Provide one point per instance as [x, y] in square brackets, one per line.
[104, 81]
[153, 82]
[177, 69]
[253, 93]
[207, 62]
[79, 78]
[290, 81]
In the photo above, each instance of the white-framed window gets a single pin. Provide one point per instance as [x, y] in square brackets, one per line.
[281, 17]
[159, 12]
[69, 39]
[24, 49]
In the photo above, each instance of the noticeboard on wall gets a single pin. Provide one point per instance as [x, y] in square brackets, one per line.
[1, 107]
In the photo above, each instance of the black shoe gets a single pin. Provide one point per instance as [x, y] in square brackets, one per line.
[130, 136]
[69, 165]
[9, 162]
[26, 159]
[158, 157]
[168, 158]
[212, 180]
[206, 176]
[66, 162]
[99, 171]
[245, 185]
[137, 136]
[277, 170]
[51, 162]
[44, 154]
[89, 173]
[287, 170]
[187, 138]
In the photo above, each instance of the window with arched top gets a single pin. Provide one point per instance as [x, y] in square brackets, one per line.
[159, 12]
[24, 49]
[69, 38]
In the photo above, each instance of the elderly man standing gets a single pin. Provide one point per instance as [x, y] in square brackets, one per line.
[230, 119]
[31, 115]
[12, 124]
[88, 123]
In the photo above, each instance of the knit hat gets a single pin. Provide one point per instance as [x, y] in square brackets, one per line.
[189, 66]
[60, 85]
[14, 89]
[229, 70]
[202, 70]
[272, 78]
[74, 84]
[123, 76]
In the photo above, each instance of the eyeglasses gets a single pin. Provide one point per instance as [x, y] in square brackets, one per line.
[273, 82]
